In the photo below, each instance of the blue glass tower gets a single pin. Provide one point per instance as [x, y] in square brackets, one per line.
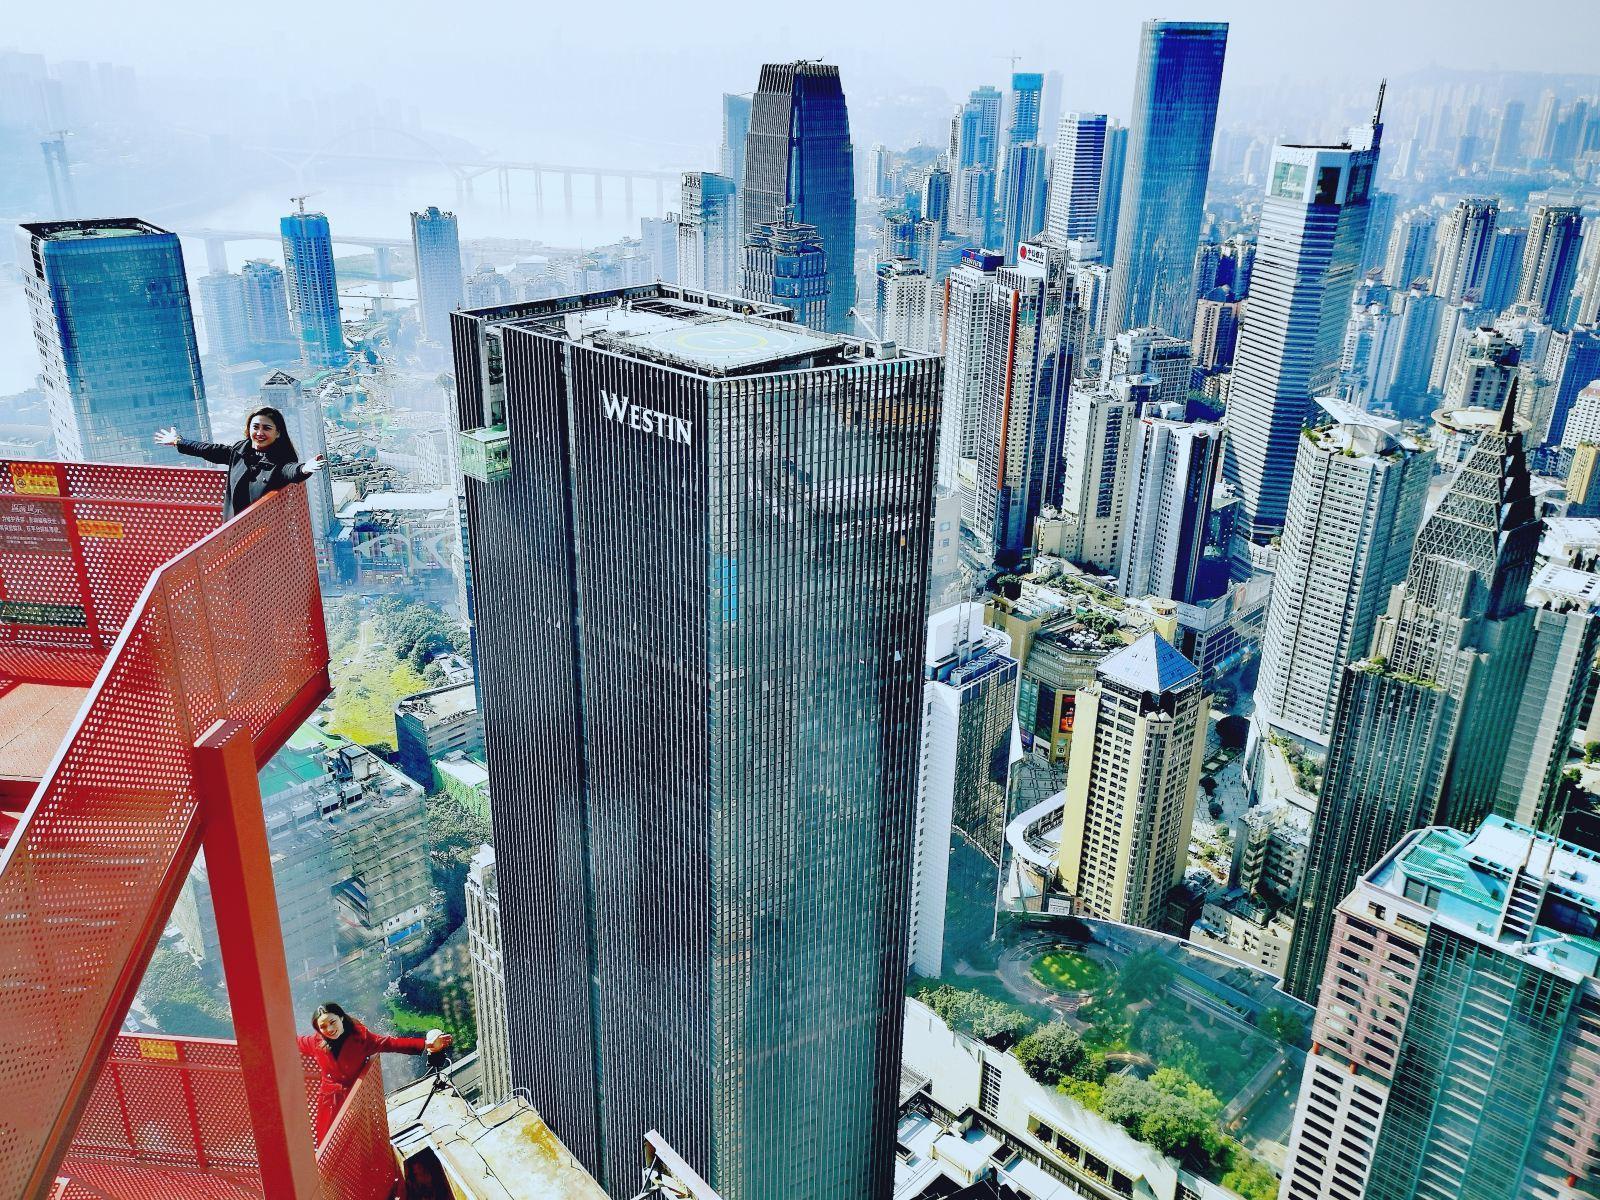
[785, 263]
[313, 290]
[266, 304]
[437, 244]
[115, 331]
[1164, 185]
[798, 153]
[1023, 210]
[1026, 89]
[975, 161]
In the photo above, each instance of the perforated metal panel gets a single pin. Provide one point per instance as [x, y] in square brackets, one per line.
[231, 629]
[78, 543]
[355, 1160]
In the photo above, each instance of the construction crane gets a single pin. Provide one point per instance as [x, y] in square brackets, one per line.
[865, 324]
[300, 202]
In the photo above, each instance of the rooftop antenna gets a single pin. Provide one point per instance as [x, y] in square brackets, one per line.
[1377, 113]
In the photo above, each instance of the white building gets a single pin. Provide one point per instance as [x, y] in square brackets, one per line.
[1172, 469]
[1134, 353]
[488, 976]
[1355, 506]
[1075, 177]
[905, 305]
[1464, 244]
[1094, 492]
[966, 325]
[969, 740]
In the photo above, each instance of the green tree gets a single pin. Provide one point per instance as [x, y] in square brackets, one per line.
[179, 999]
[1591, 751]
[1055, 1054]
[1144, 977]
[1250, 1177]
[1173, 1124]
[976, 1014]
[1283, 1024]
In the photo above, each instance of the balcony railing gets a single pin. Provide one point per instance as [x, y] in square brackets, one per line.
[201, 642]
[169, 1118]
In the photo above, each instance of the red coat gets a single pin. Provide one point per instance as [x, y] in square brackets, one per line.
[340, 1071]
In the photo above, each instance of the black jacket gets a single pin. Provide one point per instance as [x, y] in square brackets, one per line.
[251, 474]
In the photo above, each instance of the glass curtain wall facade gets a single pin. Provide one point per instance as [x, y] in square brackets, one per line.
[799, 153]
[115, 331]
[313, 291]
[700, 595]
[1164, 183]
[436, 241]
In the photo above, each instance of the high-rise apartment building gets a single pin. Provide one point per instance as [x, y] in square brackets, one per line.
[308, 429]
[967, 292]
[312, 289]
[1550, 261]
[1481, 371]
[735, 133]
[1022, 110]
[266, 304]
[905, 305]
[1172, 470]
[1380, 224]
[1458, 323]
[488, 976]
[1571, 363]
[222, 306]
[1138, 740]
[1453, 1051]
[1075, 177]
[785, 263]
[1420, 731]
[710, 251]
[1411, 248]
[798, 155]
[1022, 409]
[1463, 247]
[1313, 227]
[1164, 186]
[969, 713]
[1354, 509]
[1094, 491]
[1505, 267]
[1112, 170]
[1508, 136]
[436, 243]
[1147, 351]
[115, 332]
[723, 517]
[1216, 334]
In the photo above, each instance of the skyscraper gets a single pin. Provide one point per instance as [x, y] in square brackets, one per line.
[1508, 137]
[1022, 113]
[1216, 334]
[710, 251]
[1164, 188]
[309, 431]
[1464, 244]
[1138, 739]
[1380, 224]
[1421, 728]
[1094, 491]
[1354, 509]
[1571, 363]
[735, 132]
[1172, 469]
[266, 303]
[1022, 197]
[1481, 371]
[487, 965]
[115, 332]
[222, 306]
[1411, 247]
[969, 712]
[1550, 261]
[1313, 228]
[1505, 267]
[313, 290]
[1075, 177]
[975, 165]
[1453, 1048]
[785, 263]
[1022, 410]
[905, 305]
[1135, 353]
[1112, 170]
[966, 323]
[703, 929]
[436, 243]
[798, 154]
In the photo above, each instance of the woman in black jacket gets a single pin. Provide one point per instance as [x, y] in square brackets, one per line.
[263, 462]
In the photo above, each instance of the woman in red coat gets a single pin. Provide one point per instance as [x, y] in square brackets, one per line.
[341, 1047]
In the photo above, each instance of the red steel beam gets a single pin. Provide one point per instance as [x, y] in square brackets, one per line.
[239, 867]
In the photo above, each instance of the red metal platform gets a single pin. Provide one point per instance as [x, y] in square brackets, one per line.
[197, 648]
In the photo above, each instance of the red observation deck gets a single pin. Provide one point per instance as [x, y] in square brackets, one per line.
[151, 658]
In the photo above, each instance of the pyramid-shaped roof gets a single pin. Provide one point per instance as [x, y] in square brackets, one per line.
[1151, 664]
[279, 379]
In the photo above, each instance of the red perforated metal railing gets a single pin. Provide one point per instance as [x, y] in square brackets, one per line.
[78, 543]
[230, 629]
[166, 1109]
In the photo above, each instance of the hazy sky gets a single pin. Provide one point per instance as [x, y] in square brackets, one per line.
[597, 70]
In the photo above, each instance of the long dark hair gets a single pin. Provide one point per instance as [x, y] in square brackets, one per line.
[330, 1008]
[281, 450]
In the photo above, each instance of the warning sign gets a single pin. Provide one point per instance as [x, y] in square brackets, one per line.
[150, 1048]
[32, 527]
[34, 479]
